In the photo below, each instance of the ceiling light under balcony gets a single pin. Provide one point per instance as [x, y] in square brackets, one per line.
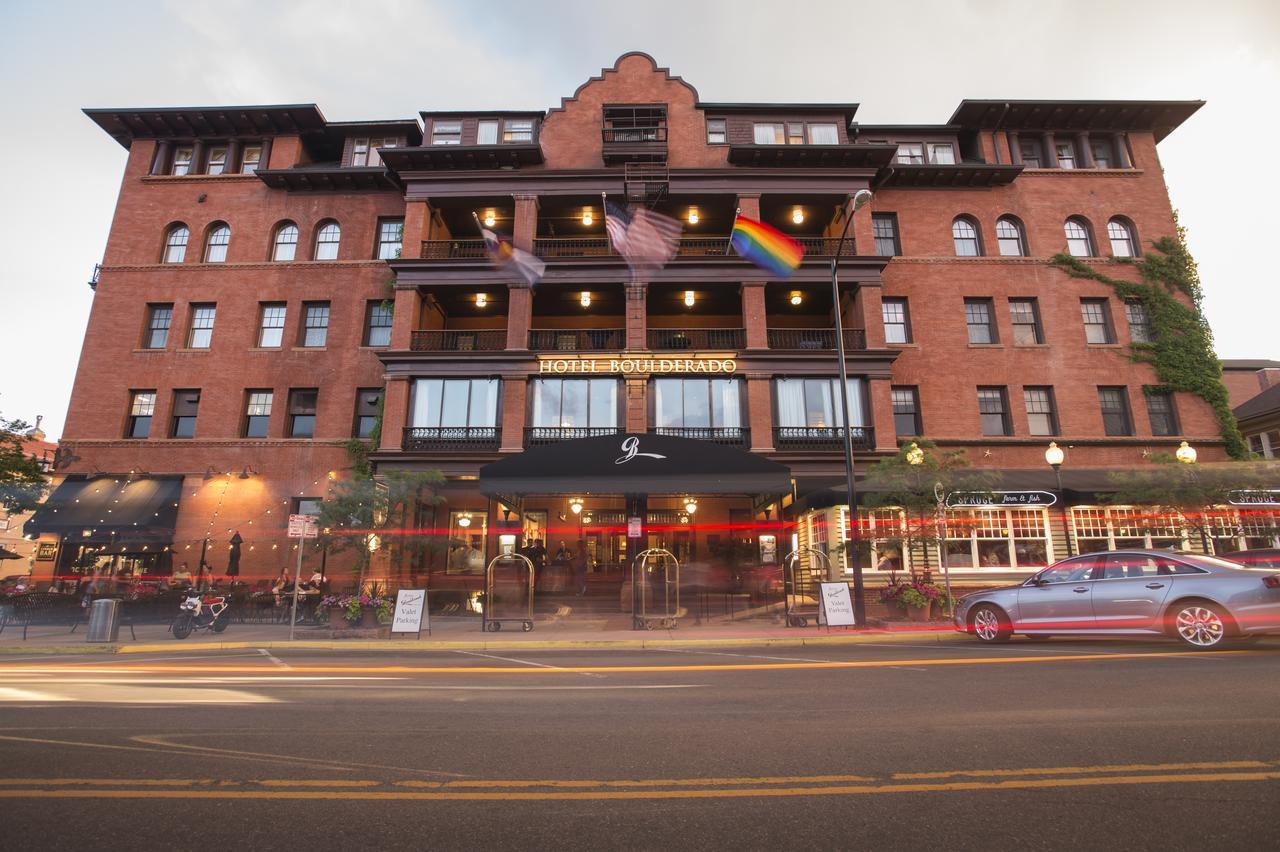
[693, 215]
[481, 300]
[796, 297]
[690, 505]
[689, 298]
[797, 215]
[489, 218]
[585, 299]
[587, 218]
[575, 505]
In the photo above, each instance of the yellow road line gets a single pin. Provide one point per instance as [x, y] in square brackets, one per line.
[1080, 770]
[104, 782]
[285, 782]
[647, 782]
[700, 667]
[772, 792]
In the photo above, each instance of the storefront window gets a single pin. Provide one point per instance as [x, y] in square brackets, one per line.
[575, 403]
[1125, 527]
[466, 542]
[883, 538]
[697, 403]
[997, 538]
[815, 403]
[455, 403]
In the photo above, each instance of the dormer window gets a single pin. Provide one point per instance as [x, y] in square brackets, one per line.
[446, 133]
[1030, 150]
[518, 130]
[487, 132]
[770, 134]
[823, 134]
[182, 160]
[360, 152]
[911, 153]
[716, 132]
[941, 153]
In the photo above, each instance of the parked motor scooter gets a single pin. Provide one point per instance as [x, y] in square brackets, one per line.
[201, 611]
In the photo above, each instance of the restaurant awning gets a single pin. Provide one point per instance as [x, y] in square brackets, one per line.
[113, 508]
[634, 464]
[1080, 486]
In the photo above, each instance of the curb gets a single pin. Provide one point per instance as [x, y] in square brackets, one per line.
[666, 641]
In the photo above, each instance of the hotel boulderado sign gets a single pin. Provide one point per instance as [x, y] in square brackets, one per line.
[638, 365]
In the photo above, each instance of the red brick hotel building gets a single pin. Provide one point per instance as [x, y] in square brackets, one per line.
[276, 284]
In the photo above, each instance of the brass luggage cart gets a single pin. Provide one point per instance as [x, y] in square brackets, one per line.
[655, 572]
[802, 582]
[490, 618]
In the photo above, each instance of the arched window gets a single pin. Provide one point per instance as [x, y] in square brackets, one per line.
[1079, 243]
[964, 233]
[1120, 233]
[175, 244]
[286, 243]
[327, 239]
[215, 247]
[1012, 240]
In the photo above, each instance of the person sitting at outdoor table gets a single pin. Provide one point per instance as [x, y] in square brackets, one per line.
[283, 585]
[182, 577]
[204, 578]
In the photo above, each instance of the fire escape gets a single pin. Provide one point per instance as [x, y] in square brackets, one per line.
[635, 137]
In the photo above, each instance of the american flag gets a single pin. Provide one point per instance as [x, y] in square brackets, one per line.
[645, 239]
[508, 258]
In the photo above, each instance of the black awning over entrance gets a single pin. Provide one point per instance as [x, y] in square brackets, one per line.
[634, 464]
[110, 508]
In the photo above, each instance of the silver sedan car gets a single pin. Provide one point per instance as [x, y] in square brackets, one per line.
[1201, 600]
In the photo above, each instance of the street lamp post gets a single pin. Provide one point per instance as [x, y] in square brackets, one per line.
[1186, 454]
[860, 199]
[1055, 456]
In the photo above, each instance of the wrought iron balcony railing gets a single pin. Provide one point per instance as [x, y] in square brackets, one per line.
[815, 338]
[576, 339]
[556, 247]
[453, 249]
[538, 435]
[450, 438]
[461, 340]
[696, 338]
[821, 437]
[730, 436]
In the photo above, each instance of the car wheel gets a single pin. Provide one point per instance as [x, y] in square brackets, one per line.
[990, 624]
[1200, 625]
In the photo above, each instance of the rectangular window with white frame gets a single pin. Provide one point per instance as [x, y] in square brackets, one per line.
[271, 317]
[446, 132]
[897, 320]
[487, 132]
[200, 335]
[517, 131]
[998, 539]
[942, 154]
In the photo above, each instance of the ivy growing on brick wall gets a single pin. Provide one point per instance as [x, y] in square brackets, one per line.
[1182, 346]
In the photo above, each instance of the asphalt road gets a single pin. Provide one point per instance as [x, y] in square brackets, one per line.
[1049, 745]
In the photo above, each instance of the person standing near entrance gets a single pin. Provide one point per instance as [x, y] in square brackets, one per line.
[580, 569]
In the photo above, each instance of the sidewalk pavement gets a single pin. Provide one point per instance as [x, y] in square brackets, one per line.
[455, 633]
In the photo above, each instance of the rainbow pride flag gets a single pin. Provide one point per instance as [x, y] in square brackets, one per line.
[766, 247]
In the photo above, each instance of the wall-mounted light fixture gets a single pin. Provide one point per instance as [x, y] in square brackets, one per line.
[587, 218]
[489, 218]
[585, 299]
[693, 215]
[689, 298]
[796, 297]
[797, 215]
[481, 300]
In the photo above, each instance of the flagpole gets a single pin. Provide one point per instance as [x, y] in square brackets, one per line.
[728, 248]
[476, 219]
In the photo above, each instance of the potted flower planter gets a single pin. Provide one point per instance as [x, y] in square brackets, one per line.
[919, 613]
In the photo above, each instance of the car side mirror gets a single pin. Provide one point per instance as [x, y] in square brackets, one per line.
[1039, 581]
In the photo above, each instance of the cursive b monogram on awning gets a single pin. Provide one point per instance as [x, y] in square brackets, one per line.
[631, 449]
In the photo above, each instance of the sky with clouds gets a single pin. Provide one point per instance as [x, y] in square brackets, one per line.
[59, 174]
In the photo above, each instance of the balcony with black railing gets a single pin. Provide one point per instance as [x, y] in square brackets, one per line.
[576, 339]
[435, 438]
[681, 339]
[459, 340]
[469, 249]
[566, 247]
[634, 143]
[535, 436]
[729, 436]
[815, 339]
[822, 438]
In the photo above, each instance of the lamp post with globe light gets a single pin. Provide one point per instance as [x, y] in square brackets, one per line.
[860, 199]
[1055, 456]
[1186, 454]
